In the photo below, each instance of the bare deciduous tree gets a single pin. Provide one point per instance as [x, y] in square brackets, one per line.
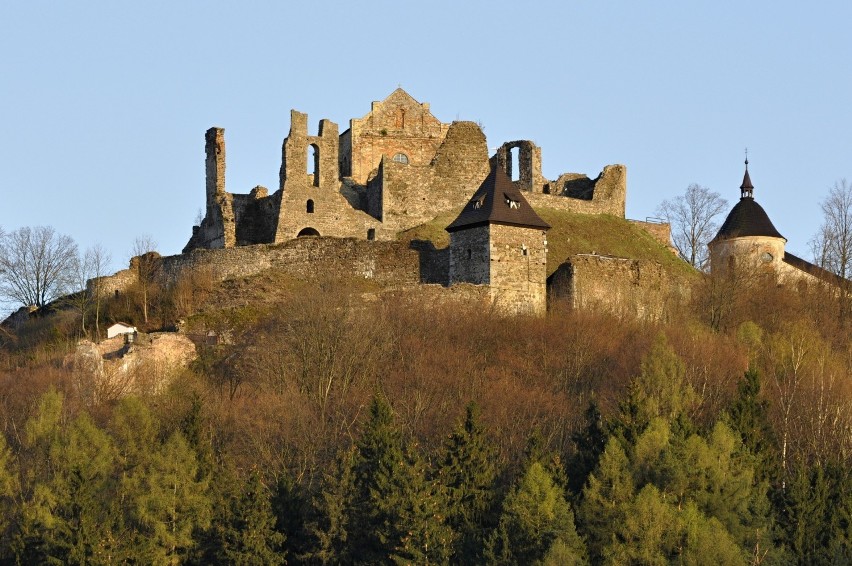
[832, 245]
[146, 265]
[36, 265]
[692, 217]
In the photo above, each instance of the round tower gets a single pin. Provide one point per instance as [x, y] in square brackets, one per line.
[747, 239]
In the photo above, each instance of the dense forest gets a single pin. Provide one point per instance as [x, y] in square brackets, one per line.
[339, 424]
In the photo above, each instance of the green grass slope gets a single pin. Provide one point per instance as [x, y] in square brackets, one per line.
[573, 233]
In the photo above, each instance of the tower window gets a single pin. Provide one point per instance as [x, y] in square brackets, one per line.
[310, 206]
[371, 233]
[401, 158]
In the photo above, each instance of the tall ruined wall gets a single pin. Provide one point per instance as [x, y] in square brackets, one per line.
[313, 203]
[218, 228]
[528, 163]
[624, 287]
[398, 124]
[403, 196]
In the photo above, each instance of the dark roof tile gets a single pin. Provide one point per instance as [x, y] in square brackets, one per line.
[497, 201]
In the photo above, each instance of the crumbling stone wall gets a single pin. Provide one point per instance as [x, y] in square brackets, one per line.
[661, 231]
[624, 287]
[398, 124]
[607, 193]
[529, 177]
[404, 196]
[445, 165]
[313, 203]
[385, 262]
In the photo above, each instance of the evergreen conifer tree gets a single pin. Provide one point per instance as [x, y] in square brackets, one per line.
[243, 528]
[396, 514]
[468, 474]
[535, 517]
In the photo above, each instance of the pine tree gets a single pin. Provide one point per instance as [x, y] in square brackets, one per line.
[468, 473]
[68, 514]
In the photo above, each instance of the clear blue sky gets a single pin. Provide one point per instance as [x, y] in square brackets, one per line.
[104, 105]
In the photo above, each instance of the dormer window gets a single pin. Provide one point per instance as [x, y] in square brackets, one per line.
[401, 158]
[511, 203]
[479, 202]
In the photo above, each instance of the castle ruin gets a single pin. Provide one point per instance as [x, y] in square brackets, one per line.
[395, 168]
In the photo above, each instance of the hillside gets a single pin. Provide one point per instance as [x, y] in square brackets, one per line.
[573, 233]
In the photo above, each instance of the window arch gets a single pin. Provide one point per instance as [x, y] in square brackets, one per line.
[307, 232]
[401, 158]
[310, 206]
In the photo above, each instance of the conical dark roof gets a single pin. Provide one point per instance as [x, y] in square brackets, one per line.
[747, 218]
[497, 201]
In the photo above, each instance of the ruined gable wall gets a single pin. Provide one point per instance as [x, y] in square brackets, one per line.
[398, 124]
[624, 287]
[404, 196]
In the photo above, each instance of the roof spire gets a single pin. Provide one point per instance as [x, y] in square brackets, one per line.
[746, 188]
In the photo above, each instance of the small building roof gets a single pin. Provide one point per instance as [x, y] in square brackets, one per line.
[497, 201]
[747, 218]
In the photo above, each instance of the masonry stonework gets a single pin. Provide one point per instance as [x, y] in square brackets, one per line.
[395, 168]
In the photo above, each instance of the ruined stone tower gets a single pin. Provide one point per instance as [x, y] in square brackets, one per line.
[498, 240]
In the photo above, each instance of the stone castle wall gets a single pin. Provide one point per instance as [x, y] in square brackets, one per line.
[624, 287]
[397, 125]
[518, 269]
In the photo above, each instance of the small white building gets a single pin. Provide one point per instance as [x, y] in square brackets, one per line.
[120, 328]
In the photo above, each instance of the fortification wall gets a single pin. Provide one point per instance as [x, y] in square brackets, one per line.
[661, 231]
[624, 287]
[605, 195]
[385, 262]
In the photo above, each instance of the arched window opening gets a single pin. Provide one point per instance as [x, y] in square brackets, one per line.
[310, 206]
[514, 164]
[371, 233]
[314, 163]
[401, 158]
[307, 232]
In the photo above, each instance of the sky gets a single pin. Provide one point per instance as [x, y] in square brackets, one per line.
[104, 105]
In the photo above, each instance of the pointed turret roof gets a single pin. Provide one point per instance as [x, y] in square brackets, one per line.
[497, 201]
[747, 218]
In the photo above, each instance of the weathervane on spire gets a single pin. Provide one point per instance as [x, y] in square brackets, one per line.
[746, 161]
